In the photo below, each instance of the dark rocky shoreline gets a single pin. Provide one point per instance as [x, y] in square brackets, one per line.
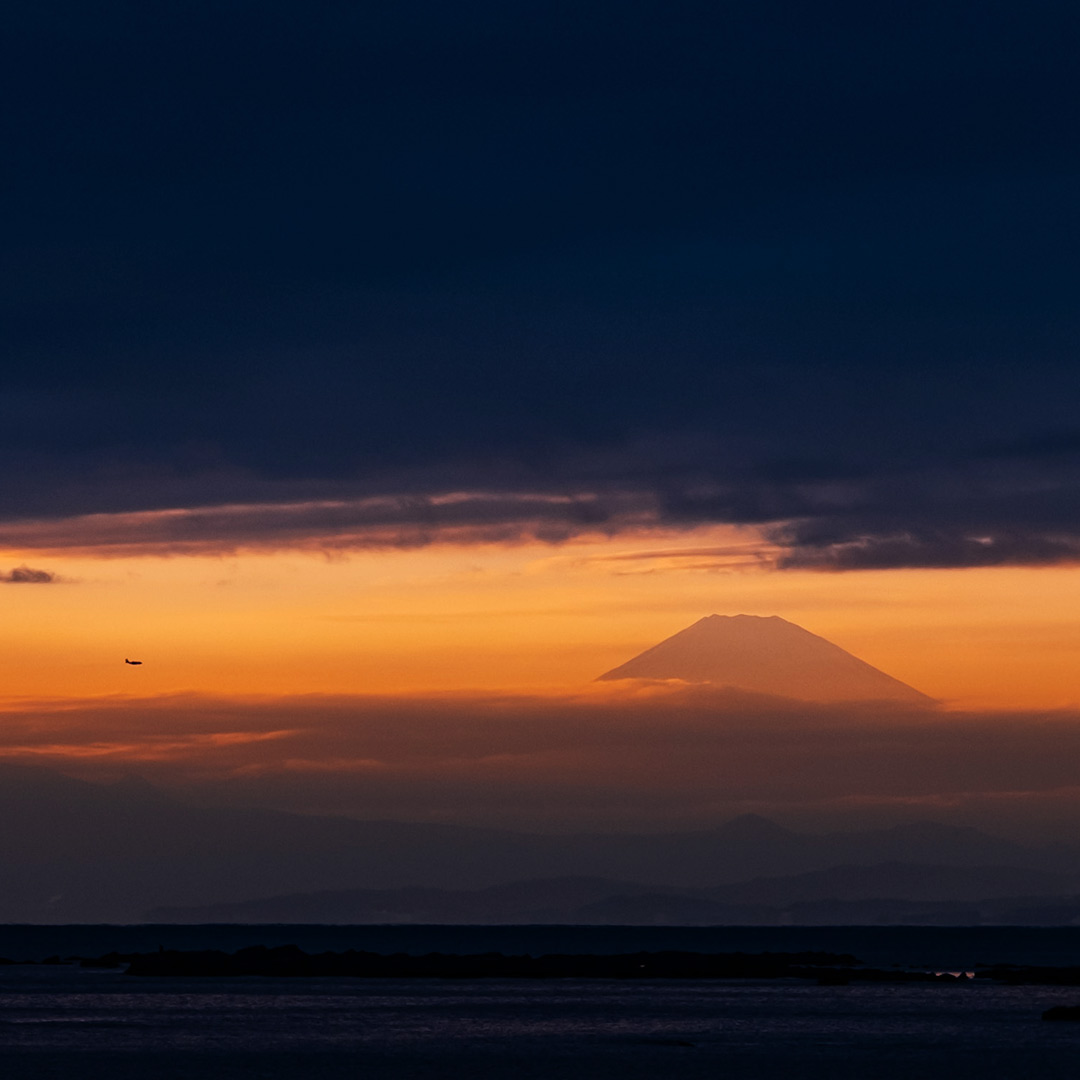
[291, 961]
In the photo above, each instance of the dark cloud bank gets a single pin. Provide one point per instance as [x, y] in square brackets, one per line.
[811, 267]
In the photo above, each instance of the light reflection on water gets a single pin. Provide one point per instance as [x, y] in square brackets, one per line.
[87, 1024]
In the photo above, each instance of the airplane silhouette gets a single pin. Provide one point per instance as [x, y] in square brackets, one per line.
[127, 661]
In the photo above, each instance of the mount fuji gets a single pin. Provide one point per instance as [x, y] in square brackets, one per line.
[768, 655]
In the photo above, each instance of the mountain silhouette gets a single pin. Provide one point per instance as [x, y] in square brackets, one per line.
[586, 900]
[768, 655]
[73, 851]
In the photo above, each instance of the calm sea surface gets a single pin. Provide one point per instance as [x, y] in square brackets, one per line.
[63, 1022]
[83, 1023]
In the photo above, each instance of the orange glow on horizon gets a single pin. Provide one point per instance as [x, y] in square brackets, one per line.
[509, 617]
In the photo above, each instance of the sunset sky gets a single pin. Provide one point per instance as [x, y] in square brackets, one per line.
[526, 616]
[429, 350]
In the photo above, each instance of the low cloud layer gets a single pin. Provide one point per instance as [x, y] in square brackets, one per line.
[643, 758]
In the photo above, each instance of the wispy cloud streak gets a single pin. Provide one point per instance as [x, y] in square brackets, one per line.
[980, 511]
[406, 521]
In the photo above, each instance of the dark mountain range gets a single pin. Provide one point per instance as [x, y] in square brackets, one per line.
[863, 893]
[767, 655]
[517, 902]
[72, 851]
[900, 881]
[934, 843]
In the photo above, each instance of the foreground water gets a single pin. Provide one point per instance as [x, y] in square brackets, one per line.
[88, 1024]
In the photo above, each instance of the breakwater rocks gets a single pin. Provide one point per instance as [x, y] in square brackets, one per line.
[289, 960]
[827, 968]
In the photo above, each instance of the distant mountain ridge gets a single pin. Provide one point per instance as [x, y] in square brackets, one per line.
[77, 852]
[765, 654]
[900, 891]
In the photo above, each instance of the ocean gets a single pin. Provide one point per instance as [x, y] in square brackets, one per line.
[71, 1022]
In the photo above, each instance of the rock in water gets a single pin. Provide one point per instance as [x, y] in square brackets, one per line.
[1062, 1012]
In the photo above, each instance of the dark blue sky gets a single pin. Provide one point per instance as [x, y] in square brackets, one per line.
[731, 261]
